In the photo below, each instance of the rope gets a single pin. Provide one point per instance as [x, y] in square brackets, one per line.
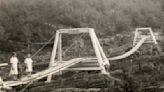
[41, 49]
[33, 56]
[46, 42]
[26, 86]
[43, 46]
[50, 41]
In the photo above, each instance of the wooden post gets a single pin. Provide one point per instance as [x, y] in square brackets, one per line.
[135, 37]
[53, 54]
[101, 50]
[98, 54]
[152, 35]
[60, 50]
[60, 47]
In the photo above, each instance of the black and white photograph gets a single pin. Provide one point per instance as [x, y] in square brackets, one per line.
[81, 45]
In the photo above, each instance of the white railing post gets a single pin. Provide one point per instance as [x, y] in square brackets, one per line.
[52, 60]
[97, 51]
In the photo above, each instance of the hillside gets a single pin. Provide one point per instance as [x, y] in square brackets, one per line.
[28, 25]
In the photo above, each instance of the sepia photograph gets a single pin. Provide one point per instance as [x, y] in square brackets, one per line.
[81, 45]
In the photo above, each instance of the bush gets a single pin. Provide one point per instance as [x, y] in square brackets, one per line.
[24, 21]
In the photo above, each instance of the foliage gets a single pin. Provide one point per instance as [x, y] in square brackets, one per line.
[24, 20]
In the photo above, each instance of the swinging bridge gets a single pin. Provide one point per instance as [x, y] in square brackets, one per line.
[98, 63]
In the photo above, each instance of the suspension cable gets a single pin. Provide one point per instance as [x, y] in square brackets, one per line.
[50, 41]
[43, 46]
[41, 49]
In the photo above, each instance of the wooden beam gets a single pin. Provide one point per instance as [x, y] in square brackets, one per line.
[86, 60]
[53, 54]
[3, 64]
[84, 69]
[60, 47]
[75, 30]
[143, 28]
[101, 51]
[98, 54]
[81, 64]
[135, 36]
[153, 37]
[44, 73]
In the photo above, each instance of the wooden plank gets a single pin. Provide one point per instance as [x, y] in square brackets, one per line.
[85, 60]
[147, 42]
[85, 65]
[3, 64]
[75, 30]
[13, 83]
[84, 69]
[58, 68]
[44, 73]
[135, 48]
[148, 39]
[81, 64]
[144, 28]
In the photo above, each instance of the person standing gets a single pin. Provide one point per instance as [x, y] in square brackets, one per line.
[29, 64]
[14, 66]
